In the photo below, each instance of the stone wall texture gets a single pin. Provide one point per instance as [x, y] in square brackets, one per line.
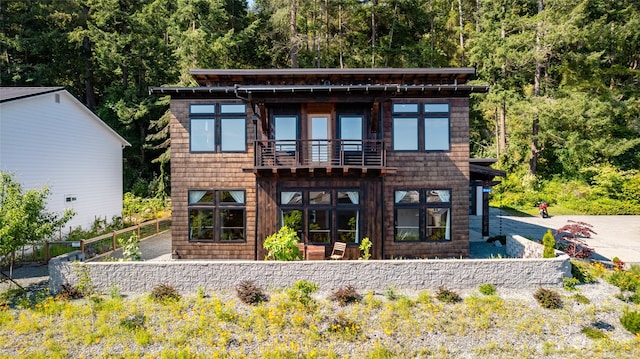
[189, 275]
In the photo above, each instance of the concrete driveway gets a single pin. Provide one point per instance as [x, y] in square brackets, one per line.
[617, 236]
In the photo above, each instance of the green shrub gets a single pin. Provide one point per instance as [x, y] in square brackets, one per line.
[487, 289]
[301, 291]
[165, 293]
[282, 245]
[345, 295]
[548, 298]
[631, 321]
[447, 296]
[626, 281]
[134, 321]
[549, 243]
[250, 293]
[391, 294]
[570, 284]
[581, 299]
[580, 271]
[365, 247]
[593, 333]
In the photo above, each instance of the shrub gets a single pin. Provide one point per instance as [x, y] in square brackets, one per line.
[282, 245]
[593, 333]
[549, 243]
[69, 292]
[165, 293]
[581, 299]
[626, 281]
[631, 321]
[580, 271]
[130, 248]
[301, 291]
[250, 293]
[487, 289]
[570, 284]
[447, 295]
[345, 295]
[365, 247]
[548, 298]
[134, 321]
[570, 239]
[391, 294]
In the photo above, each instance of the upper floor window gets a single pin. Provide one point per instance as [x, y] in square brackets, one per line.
[218, 127]
[421, 127]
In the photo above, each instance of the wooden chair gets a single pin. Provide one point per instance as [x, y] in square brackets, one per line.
[338, 250]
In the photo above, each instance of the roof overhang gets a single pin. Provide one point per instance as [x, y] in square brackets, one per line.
[327, 81]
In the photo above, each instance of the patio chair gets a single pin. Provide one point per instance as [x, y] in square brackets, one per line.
[338, 250]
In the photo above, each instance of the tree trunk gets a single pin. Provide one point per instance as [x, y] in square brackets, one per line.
[463, 60]
[535, 127]
[293, 53]
[393, 25]
[341, 43]
[373, 33]
[90, 96]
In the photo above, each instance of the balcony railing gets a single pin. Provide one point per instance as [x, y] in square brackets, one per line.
[320, 153]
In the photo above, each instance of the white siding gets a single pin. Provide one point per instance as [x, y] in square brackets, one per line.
[63, 145]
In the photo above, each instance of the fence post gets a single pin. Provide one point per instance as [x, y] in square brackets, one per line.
[114, 240]
[139, 231]
[46, 252]
[157, 225]
[82, 246]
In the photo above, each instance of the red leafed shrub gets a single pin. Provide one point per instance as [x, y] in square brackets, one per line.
[570, 239]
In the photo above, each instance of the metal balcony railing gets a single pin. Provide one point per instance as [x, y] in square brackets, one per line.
[320, 153]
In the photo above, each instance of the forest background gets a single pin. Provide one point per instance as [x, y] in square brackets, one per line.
[562, 116]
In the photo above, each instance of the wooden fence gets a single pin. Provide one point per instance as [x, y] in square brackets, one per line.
[110, 241]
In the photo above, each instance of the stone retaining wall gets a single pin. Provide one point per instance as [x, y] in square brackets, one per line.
[188, 276]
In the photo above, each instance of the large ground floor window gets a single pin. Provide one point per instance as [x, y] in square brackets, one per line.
[217, 216]
[422, 215]
[322, 216]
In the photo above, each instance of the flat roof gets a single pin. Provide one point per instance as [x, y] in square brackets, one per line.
[324, 76]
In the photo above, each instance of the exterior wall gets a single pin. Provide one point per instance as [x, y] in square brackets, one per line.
[448, 169]
[188, 276]
[204, 171]
[216, 171]
[65, 146]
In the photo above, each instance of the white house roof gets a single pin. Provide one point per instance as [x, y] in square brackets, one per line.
[8, 94]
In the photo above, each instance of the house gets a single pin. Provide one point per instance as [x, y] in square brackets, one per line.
[337, 154]
[48, 137]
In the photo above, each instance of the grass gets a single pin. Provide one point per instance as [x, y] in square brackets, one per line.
[376, 326]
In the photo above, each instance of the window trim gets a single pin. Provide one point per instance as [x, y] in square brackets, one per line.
[421, 116]
[422, 206]
[333, 207]
[217, 116]
[217, 206]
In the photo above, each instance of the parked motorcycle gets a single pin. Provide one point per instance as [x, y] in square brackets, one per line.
[542, 208]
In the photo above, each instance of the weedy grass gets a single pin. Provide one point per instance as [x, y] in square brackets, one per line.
[300, 322]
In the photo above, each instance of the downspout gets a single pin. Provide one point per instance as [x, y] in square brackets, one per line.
[248, 101]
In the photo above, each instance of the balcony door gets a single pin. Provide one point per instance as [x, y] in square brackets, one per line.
[319, 136]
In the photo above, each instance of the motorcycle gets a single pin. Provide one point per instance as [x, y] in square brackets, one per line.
[542, 208]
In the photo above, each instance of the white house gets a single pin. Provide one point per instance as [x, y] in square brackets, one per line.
[48, 137]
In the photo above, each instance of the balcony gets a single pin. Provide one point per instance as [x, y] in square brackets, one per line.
[322, 157]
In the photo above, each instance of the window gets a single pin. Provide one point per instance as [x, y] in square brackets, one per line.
[217, 216]
[420, 127]
[322, 216]
[422, 215]
[218, 127]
